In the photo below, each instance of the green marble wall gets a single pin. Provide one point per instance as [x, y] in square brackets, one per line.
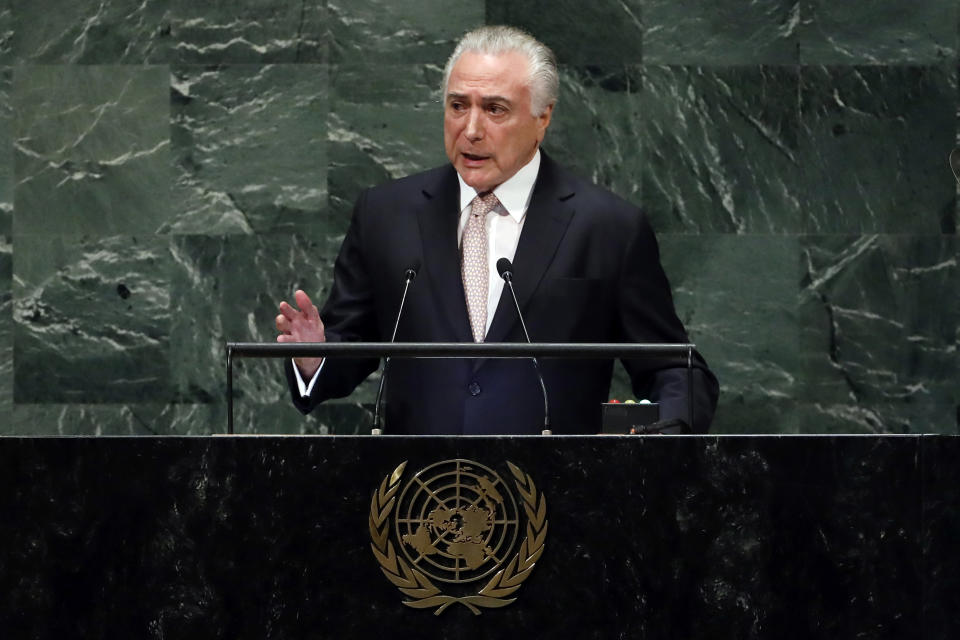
[170, 170]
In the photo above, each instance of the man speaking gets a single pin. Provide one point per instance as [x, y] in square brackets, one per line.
[586, 268]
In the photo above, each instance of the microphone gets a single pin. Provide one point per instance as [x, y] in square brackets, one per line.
[505, 269]
[408, 277]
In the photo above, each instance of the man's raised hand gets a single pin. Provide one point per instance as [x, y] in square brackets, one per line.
[301, 325]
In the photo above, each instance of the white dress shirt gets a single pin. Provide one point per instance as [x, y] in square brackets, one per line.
[504, 224]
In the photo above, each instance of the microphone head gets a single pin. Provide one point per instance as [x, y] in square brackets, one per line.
[410, 274]
[505, 268]
[955, 163]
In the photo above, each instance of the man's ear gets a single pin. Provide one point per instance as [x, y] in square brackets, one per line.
[543, 120]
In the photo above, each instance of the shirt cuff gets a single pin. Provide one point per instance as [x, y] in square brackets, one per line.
[305, 388]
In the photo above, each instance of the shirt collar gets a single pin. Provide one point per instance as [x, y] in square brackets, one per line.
[514, 194]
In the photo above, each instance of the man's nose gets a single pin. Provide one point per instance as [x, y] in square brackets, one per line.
[475, 125]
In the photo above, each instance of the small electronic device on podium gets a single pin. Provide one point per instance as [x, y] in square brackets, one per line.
[628, 417]
[638, 418]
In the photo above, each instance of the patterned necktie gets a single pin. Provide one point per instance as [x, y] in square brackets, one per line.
[475, 270]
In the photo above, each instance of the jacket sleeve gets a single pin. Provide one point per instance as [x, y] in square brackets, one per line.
[349, 315]
[647, 315]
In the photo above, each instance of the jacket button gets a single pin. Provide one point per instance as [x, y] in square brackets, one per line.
[474, 389]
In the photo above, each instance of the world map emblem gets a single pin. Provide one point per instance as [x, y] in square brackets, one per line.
[449, 534]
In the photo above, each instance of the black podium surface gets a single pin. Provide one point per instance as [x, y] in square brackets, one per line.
[642, 537]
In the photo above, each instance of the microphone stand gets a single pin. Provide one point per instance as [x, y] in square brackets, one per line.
[377, 430]
[504, 267]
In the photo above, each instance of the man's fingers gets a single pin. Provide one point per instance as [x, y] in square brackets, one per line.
[303, 300]
[299, 325]
[288, 311]
[307, 307]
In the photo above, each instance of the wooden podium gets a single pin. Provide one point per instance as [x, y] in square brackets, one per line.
[637, 537]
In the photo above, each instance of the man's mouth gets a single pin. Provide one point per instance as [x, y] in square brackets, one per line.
[473, 157]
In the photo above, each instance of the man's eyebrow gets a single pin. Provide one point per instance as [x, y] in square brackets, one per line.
[484, 99]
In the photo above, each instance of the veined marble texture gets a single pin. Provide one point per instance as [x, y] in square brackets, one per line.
[135, 419]
[6, 242]
[878, 331]
[6, 153]
[249, 142]
[104, 32]
[164, 31]
[6, 325]
[791, 156]
[721, 149]
[596, 128]
[92, 149]
[181, 419]
[227, 289]
[745, 326]
[879, 32]
[580, 33]
[725, 32]
[386, 121]
[239, 31]
[399, 31]
[91, 318]
[6, 33]
[874, 147]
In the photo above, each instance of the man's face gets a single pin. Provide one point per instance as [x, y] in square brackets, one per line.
[488, 131]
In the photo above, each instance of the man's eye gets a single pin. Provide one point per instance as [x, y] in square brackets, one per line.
[496, 109]
[456, 106]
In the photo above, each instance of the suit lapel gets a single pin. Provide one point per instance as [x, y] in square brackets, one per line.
[546, 223]
[438, 221]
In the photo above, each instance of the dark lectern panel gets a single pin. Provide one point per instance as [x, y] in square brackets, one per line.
[648, 537]
[940, 459]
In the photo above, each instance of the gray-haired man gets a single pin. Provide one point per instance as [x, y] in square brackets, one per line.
[586, 263]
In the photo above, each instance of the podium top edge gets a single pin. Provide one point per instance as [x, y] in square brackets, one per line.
[458, 349]
[597, 436]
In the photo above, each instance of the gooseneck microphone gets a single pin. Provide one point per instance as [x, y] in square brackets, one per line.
[505, 269]
[408, 277]
[955, 163]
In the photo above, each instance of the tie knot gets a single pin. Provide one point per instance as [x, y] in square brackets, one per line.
[483, 204]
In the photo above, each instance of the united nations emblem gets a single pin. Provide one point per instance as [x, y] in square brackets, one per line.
[457, 523]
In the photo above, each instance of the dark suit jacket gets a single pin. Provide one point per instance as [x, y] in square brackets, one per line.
[587, 269]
